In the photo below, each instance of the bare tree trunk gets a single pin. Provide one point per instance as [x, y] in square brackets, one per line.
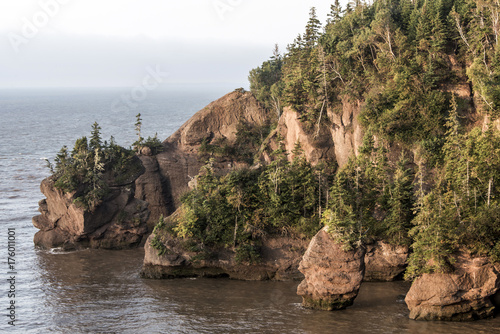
[457, 207]
[461, 31]
[319, 119]
[319, 195]
[235, 231]
[468, 177]
[495, 19]
[322, 53]
[490, 185]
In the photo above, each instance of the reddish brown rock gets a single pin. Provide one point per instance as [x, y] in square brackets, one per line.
[333, 142]
[384, 262]
[180, 162]
[153, 188]
[119, 222]
[332, 276]
[464, 294]
[279, 259]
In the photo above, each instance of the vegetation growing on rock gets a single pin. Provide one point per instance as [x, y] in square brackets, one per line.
[426, 74]
[92, 166]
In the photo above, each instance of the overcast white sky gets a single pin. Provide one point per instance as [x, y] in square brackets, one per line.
[111, 43]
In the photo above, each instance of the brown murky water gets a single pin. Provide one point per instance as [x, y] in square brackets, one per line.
[101, 292]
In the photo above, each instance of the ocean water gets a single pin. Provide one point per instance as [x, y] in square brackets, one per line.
[97, 291]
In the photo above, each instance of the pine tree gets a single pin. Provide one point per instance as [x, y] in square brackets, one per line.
[335, 13]
[95, 138]
[313, 27]
[400, 204]
[138, 126]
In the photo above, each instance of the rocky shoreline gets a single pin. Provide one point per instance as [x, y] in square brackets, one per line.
[331, 277]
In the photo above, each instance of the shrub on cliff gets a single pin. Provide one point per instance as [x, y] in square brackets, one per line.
[153, 143]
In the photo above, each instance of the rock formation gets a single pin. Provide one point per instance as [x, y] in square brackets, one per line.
[279, 260]
[153, 188]
[332, 276]
[464, 294]
[119, 222]
[384, 262]
[180, 161]
[334, 142]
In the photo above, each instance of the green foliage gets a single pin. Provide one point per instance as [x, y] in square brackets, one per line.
[138, 126]
[249, 138]
[90, 166]
[247, 253]
[157, 242]
[370, 199]
[154, 144]
[265, 83]
[246, 204]
[462, 210]
[400, 205]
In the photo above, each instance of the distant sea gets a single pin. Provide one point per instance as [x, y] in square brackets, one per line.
[97, 291]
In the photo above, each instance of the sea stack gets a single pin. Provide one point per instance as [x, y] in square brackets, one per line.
[333, 276]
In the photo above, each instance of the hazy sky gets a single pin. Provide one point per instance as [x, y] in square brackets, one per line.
[99, 43]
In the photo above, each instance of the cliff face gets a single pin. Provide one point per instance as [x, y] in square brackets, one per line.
[152, 187]
[119, 222]
[180, 162]
[335, 141]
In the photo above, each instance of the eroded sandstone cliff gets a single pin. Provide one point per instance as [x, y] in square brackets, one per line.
[464, 294]
[119, 222]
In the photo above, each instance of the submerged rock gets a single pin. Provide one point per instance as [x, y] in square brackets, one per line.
[332, 276]
[385, 262]
[462, 295]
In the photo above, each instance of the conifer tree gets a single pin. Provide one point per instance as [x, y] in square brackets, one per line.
[313, 27]
[335, 13]
[95, 138]
[400, 204]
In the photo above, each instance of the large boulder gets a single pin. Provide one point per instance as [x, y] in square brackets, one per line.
[464, 294]
[385, 262]
[332, 276]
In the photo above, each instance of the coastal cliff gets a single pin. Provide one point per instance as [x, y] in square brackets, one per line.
[119, 222]
[377, 139]
[215, 125]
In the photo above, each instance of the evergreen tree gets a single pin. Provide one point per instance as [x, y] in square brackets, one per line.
[400, 204]
[313, 27]
[138, 126]
[95, 138]
[335, 13]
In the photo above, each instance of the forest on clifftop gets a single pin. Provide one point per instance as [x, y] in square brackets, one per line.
[427, 175]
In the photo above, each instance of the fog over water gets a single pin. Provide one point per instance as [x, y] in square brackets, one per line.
[72, 43]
